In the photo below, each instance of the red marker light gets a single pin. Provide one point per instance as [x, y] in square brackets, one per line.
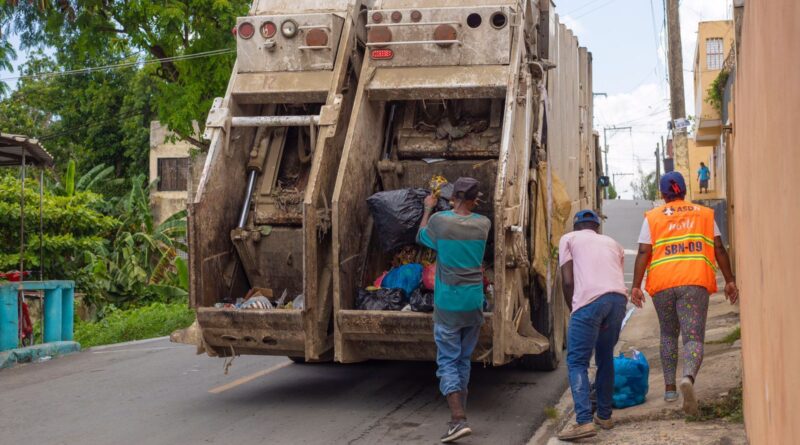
[382, 54]
[268, 30]
[246, 30]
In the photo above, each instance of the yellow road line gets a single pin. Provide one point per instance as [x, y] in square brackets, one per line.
[248, 378]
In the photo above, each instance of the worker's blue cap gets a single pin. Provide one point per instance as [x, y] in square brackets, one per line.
[672, 184]
[586, 216]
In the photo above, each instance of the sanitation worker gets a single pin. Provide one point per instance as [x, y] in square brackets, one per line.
[594, 287]
[459, 238]
[680, 246]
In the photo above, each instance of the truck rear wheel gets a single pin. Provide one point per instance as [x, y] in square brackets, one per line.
[549, 319]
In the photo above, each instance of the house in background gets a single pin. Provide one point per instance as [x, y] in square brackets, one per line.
[171, 164]
[712, 63]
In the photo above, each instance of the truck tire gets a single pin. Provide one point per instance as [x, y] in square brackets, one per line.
[549, 319]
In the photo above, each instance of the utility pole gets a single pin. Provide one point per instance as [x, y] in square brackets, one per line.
[680, 143]
[605, 152]
[658, 164]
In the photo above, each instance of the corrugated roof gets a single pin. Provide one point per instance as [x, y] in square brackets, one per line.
[13, 145]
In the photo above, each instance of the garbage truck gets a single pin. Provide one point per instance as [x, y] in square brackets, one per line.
[494, 90]
[259, 221]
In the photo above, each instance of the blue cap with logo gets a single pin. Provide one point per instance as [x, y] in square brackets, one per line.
[586, 216]
[672, 184]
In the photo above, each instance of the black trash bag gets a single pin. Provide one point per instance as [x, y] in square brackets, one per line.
[397, 215]
[421, 301]
[380, 300]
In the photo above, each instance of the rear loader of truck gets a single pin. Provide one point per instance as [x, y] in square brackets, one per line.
[260, 219]
[453, 88]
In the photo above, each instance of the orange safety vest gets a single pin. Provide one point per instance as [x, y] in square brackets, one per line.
[683, 247]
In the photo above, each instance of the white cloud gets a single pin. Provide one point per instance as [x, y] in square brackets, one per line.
[646, 108]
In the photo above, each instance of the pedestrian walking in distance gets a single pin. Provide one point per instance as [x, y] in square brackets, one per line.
[679, 245]
[594, 287]
[459, 238]
[703, 176]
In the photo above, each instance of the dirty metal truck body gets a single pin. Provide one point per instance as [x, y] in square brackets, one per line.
[261, 214]
[452, 88]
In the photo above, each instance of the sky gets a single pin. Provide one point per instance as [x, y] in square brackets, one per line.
[627, 41]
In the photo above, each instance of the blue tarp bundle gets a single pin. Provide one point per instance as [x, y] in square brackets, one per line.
[631, 380]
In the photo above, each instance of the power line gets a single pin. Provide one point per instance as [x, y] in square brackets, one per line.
[655, 32]
[216, 52]
[582, 7]
[595, 9]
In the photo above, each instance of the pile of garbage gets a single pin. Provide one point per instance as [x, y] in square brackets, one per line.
[406, 287]
[261, 298]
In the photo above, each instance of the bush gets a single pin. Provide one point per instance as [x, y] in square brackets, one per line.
[154, 320]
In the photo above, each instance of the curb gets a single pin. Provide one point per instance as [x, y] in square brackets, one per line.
[128, 343]
[548, 430]
[8, 359]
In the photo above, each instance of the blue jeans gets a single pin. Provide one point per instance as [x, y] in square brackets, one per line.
[454, 348]
[594, 327]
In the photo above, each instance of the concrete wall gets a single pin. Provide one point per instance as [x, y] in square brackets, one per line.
[767, 210]
[705, 153]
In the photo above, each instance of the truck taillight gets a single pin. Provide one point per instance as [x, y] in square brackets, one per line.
[382, 54]
[246, 30]
[377, 17]
[268, 30]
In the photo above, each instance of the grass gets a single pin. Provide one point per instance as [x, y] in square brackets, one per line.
[729, 339]
[728, 408]
[551, 412]
[154, 320]
[736, 334]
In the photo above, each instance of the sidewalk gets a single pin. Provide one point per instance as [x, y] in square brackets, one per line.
[659, 422]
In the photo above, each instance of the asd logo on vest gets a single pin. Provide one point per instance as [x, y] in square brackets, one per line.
[686, 224]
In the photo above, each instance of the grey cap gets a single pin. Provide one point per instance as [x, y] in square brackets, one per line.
[466, 188]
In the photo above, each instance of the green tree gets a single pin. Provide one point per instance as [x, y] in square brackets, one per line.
[612, 192]
[645, 187]
[104, 119]
[72, 225]
[87, 31]
[142, 262]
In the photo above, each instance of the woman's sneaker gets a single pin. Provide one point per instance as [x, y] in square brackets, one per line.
[575, 431]
[670, 396]
[689, 399]
[456, 430]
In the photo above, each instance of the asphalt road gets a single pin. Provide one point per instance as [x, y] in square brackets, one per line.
[162, 393]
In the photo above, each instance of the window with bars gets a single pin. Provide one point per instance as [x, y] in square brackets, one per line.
[715, 56]
[173, 174]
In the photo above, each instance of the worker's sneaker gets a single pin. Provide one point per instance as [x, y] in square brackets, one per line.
[689, 399]
[670, 396]
[605, 424]
[456, 430]
[575, 431]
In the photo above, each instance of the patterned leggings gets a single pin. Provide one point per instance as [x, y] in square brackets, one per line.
[681, 310]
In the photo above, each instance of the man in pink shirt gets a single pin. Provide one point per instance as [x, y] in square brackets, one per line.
[594, 287]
